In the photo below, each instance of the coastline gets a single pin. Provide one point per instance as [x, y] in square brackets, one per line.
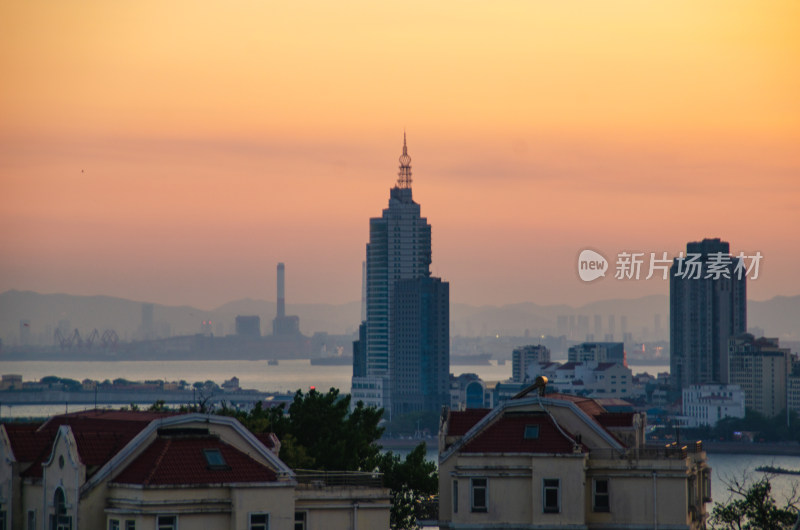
[753, 448]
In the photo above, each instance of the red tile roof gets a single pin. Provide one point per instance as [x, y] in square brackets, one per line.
[587, 405]
[460, 421]
[615, 419]
[99, 434]
[506, 435]
[26, 443]
[181, 461]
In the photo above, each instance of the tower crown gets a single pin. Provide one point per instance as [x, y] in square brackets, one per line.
[404, 175]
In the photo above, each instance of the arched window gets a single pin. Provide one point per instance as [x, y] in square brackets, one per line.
[59, 520]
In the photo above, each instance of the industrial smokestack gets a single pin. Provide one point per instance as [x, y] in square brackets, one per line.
[281, 294]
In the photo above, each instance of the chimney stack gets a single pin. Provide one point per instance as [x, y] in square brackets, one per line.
[281, 294]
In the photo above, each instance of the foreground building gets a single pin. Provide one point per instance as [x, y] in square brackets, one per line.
[561, 461]
[124, 470]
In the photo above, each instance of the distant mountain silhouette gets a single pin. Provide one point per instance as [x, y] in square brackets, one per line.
[779, 317]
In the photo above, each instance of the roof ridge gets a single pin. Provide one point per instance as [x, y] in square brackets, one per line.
[168, 442]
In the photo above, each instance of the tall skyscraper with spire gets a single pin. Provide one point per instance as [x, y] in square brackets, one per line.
[401, 337]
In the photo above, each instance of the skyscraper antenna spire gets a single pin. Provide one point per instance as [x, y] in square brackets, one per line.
[404, 175]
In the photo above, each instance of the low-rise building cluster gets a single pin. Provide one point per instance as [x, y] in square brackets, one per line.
[142, 470]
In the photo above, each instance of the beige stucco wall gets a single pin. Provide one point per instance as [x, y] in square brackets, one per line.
[31, 493]
[343, 508]
[277, 501]
[514, 488]
[8, 501]
[224, 507]
[68, 477]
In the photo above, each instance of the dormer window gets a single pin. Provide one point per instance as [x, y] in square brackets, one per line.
[531, 432]
[214, 459]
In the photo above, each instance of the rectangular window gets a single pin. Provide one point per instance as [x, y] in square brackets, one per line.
[214, 459]
[167, 522]
[300, 520]
[113, 524]
[531, 432]
[3, 520]
[130, 525]
[479, 494]
[259, 521]
[551, 495]
[601, 497]
[31, 519]
[455, 496]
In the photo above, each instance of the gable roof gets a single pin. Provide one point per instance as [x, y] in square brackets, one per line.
[283, 473]
[99, 435]
[26, 444]
[461, 421]
[106, 439]
[616, 419]
[181, 461]
[507, 435]
[585, 409]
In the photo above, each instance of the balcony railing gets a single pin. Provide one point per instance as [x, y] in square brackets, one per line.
[427, 511]
[650, 452]
[316, 478]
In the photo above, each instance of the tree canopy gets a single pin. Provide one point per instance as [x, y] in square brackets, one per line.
[752, 507]
[322, 432]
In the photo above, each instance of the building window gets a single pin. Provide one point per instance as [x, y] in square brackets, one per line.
[130, 525]
[3, 520]
[259, 521]
[480, 495]
[113, 524]
[531, 432]
[31, 519]
[60, 520]
[601, 497]
[214, 459]
[300, 520]
[706, 478]
[551, 495]
[455, 496]
[167, 522]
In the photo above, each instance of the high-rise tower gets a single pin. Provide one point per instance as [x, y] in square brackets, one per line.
[706, 310]
[399, 249]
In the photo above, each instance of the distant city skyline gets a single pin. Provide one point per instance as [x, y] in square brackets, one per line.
[175, 154]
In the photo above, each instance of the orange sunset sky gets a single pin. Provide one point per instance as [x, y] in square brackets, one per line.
[175, 151]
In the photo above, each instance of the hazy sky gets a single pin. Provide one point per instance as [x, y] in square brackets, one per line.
[175, 151]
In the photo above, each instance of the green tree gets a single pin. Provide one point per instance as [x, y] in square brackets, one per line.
[334, 437]
[413, 483]
[320, 431]
[158, 406]
[752, 507]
